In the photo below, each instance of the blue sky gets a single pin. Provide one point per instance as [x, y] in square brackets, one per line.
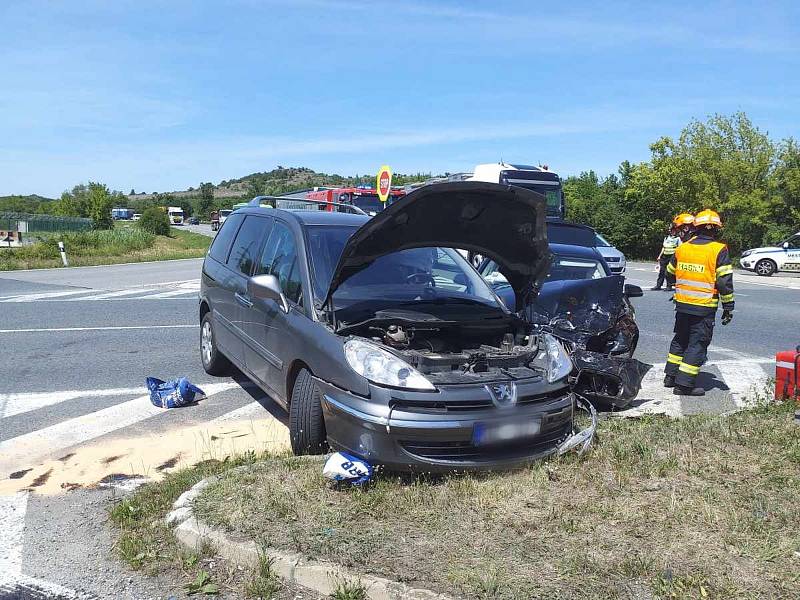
[161, 95]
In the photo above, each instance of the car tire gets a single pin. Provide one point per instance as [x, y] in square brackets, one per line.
[306, 423]
[214, 362]
[766, 267]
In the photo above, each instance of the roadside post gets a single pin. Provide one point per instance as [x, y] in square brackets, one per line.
[384, 183]
[63, 252]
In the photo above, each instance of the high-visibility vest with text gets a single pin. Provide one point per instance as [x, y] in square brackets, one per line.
[696, 273]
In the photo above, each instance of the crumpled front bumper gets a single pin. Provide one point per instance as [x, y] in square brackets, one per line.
[435, 431]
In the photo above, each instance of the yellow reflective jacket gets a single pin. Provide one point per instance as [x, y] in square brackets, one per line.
[703, 276]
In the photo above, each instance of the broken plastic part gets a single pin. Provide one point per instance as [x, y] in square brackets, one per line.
[584, 437]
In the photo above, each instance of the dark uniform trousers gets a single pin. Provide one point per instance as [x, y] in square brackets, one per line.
[662, 269]
[689, 347]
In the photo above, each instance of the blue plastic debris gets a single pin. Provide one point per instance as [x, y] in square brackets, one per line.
[172, 394]
[344, 467]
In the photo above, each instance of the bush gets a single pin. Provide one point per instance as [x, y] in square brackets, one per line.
[155, 221]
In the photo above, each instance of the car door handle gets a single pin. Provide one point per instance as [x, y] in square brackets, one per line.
[243, 300]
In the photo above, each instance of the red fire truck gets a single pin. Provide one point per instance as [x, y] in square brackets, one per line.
[365, 198]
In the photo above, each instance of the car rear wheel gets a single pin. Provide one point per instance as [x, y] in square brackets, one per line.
[214, 362]
[766, 267]
[306, 424]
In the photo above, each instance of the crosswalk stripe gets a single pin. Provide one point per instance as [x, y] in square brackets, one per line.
[38, 444]
[43, 296]
[17, 404]
[169, 294]
[107, 295]
[742, 379]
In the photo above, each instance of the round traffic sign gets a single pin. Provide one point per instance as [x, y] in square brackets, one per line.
[384, 183]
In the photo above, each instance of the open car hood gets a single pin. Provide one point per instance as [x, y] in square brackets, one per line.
[502, 222]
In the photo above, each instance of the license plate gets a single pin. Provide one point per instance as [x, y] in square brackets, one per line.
[486, 434]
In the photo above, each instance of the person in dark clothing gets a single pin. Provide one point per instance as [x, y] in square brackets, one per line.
[703, 277]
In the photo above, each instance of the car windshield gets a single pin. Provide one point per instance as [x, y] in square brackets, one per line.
[369, 203]
[600, 241]
[570, 235]
[562, 268]
[406, 277]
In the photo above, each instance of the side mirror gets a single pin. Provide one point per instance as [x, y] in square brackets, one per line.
[632, 291]
[267, 287]
[785, 245]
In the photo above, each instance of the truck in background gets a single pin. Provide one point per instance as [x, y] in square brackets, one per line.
[121, 214]
[363, 197]
[175, 215]
[539, 179]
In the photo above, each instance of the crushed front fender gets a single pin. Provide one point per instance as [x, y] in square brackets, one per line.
[607, 380]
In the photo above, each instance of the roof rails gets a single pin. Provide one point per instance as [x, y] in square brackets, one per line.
[273, 202]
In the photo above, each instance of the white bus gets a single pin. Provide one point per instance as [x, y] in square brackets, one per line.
[175, 215]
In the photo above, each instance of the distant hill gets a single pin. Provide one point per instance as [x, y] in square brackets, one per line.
[23, 204]
[280, 181]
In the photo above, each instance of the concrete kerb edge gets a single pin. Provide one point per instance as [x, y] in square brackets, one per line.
[318, 576]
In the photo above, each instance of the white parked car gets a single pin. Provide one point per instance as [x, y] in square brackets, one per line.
[772, 259]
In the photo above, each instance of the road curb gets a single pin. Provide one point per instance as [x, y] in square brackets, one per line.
[319, 576]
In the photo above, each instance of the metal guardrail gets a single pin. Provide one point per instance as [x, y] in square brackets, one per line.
[13, 221]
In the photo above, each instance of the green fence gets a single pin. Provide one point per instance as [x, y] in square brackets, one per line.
[10, 221]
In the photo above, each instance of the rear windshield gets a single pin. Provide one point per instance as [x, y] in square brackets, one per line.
[560, 233]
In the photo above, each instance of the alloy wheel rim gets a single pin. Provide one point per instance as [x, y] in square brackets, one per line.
[206, 343]
[764, 268]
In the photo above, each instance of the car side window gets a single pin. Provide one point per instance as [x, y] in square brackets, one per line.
[247, 245]
[794, 242]
[280, 259]
[221, 245]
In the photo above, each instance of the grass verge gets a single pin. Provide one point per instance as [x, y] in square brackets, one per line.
[124, 244]
[702, 507]
[146, 544]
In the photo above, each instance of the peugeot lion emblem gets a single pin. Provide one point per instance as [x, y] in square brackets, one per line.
[502, 394]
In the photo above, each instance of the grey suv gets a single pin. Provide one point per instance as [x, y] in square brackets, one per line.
[382, 340]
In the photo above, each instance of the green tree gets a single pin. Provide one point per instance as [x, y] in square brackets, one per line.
[155, 221]
[206, 200]
[99, 202]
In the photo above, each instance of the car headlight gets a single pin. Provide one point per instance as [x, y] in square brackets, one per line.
[746, 253]
[558, 362]
[382, 367]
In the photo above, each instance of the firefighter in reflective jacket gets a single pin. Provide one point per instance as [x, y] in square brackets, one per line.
[703, 277]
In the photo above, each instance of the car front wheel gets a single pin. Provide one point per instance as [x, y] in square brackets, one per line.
[306, 424]
[766, 267]
[214, 362]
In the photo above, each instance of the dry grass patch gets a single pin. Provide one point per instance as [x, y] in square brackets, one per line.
[698, 507]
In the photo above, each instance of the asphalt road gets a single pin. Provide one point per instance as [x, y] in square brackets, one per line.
[78, 344]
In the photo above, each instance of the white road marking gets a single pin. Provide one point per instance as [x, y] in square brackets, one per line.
[44, 295]
[106, 295]
[36, 445]
[12, 524]
[248, 411]
[654, 398]
[742, 378]
[169, 294]
[17, 404]
[109, 328]
[12, 581]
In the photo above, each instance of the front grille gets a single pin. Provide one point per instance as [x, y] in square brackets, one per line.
[612, 258]
[458, 406]
[464, 451]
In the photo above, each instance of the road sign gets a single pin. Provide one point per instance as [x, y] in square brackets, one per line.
[384, 183]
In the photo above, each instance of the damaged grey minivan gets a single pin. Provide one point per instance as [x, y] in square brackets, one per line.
[380, 339]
